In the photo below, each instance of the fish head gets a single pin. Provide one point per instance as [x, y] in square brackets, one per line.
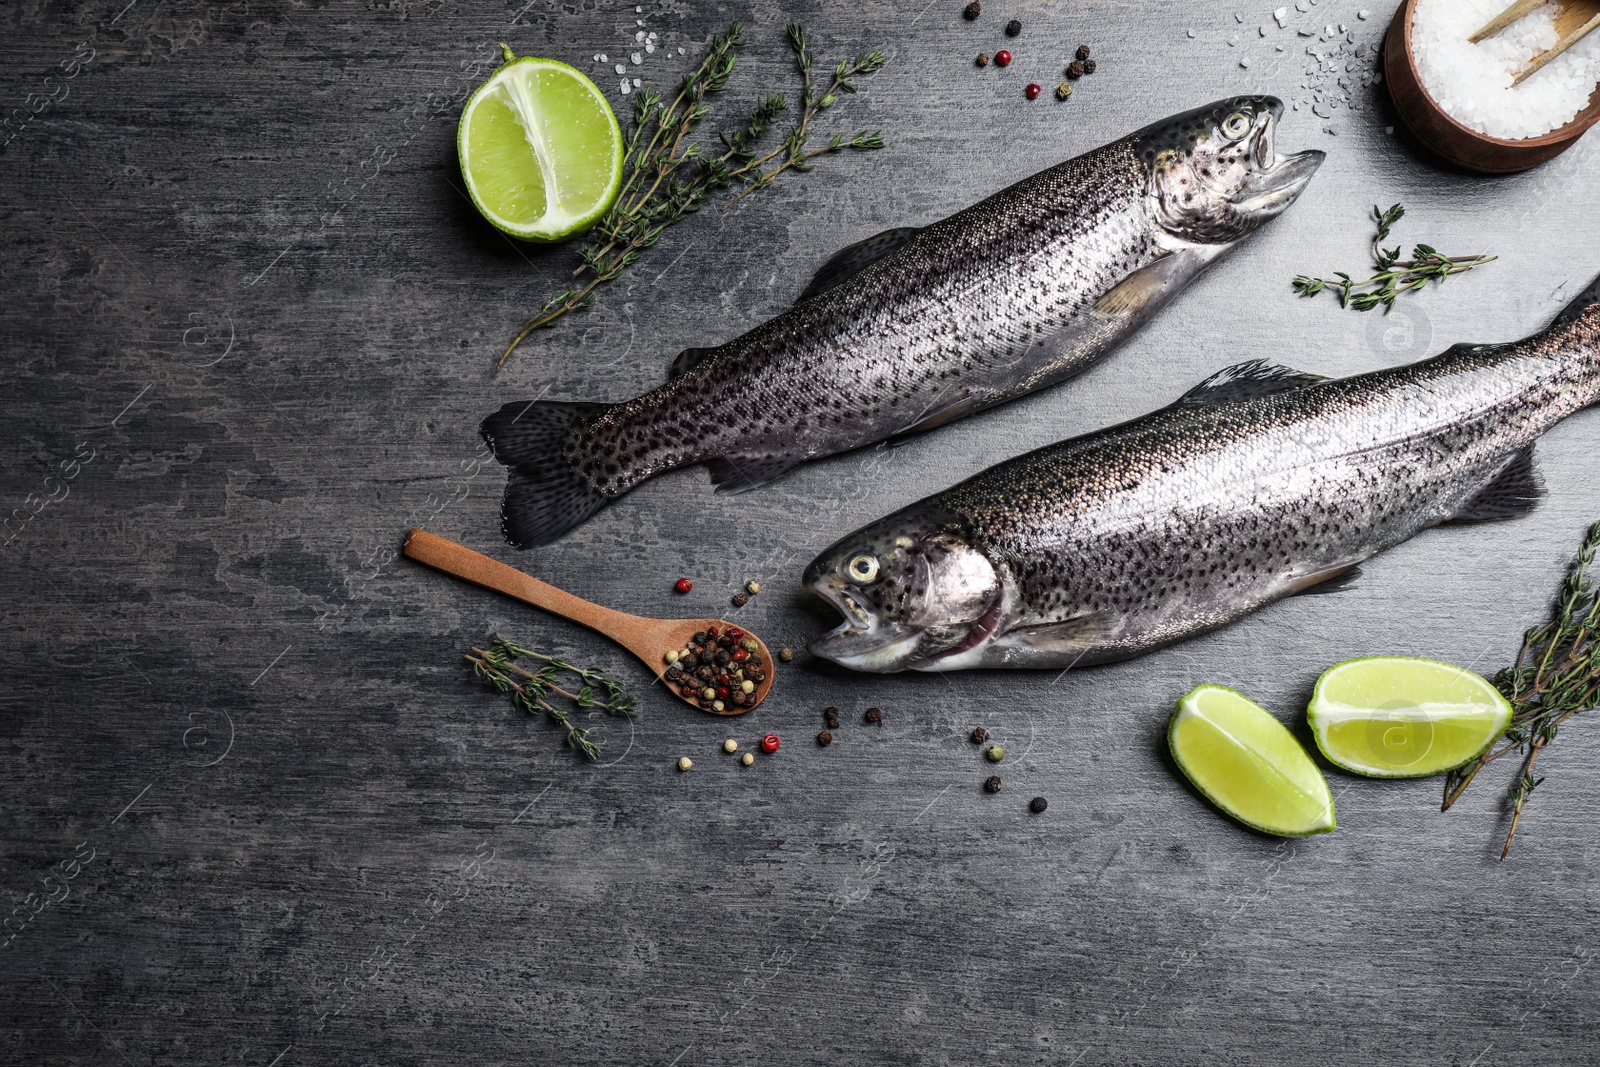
[912, 588]
[1214, 173]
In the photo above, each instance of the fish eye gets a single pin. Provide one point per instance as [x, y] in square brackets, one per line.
[1236, 125]
[863, 569]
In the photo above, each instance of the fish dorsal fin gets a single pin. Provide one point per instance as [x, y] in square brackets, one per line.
[1143, 288]
[956, 404]
[849, 261]
[1243, 381]
[688, 360]
[1515, 490]
[1578, 305]
[739, 474]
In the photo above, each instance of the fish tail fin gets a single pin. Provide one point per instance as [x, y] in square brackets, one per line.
[546, 494]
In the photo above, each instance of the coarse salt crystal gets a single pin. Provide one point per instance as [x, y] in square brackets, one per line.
[622, 68]
[1473, 82]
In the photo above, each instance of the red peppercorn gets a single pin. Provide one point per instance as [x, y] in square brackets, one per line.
[683, 585]
[1033, 91]
[770, 743]
[723, 692]
[735, 633]
[740, 655]
[711, 631]
[1002, 58]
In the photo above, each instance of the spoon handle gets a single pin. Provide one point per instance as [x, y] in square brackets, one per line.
[443, 554]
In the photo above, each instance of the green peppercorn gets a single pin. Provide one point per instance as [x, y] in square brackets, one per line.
[786, 654]
[752, 587]
[1063, 90]
[995, 753]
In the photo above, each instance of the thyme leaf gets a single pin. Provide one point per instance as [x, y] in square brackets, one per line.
[668, 176]
[532, 691]
[1556, 676]
[1394, 276]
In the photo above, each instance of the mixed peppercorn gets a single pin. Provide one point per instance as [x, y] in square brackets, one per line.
[719, 670]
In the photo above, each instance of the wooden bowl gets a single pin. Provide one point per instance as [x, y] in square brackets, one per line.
[1459, 144]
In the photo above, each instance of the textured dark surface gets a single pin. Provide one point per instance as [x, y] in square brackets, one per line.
[238, 268]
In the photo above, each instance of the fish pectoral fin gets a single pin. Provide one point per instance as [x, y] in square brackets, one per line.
[1515, 490]
[956, 404]
[740, 474]
[1243, 381]
[1335, 579]
[850, 260]
[1150, 285]
[1081, 633]
[688, 360]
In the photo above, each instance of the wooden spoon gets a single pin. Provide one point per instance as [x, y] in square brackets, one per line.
[649, 639]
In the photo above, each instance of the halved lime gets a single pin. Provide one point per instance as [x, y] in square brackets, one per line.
[540, 149]
[1397, 717]
[1248, 764]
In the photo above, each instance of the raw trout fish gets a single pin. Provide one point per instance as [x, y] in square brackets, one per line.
[914, 328]
[1259, 483]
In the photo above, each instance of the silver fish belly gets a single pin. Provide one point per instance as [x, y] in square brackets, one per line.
[1260, 483]
[915, 328]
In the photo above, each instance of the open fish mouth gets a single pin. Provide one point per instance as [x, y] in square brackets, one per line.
[858, 617]
[1275, 181]
[863, 641]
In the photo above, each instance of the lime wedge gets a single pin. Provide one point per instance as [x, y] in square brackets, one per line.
[1396, 717]
[1248, 764]
[540, 149]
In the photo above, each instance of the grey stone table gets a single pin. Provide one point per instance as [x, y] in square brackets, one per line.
[266, 817]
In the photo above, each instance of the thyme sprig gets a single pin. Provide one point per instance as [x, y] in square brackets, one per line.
[1556, 676]
[1394, 276]
[667, 176]
[529, 689]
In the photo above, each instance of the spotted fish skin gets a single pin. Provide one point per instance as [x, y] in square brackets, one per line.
[1018, 292]
[1260, 483]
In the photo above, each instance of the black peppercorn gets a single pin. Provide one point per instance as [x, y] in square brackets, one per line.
[991, 784]
[1038, 804]
[699, 638]
[972, 10]
[824, 739]
[831, 717]
[979, 735]
[983, 59]
[741, 599]
[1013, 28]
[704, 671]
[1088, 66]
[875, 716]
[1083, 51]
[1075, 69]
